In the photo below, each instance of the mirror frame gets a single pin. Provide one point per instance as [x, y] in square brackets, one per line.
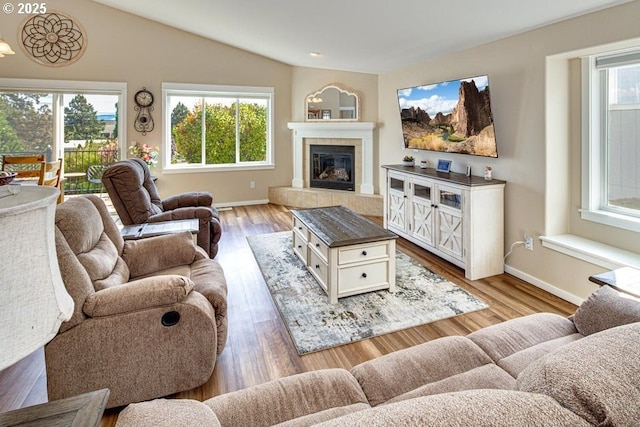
[339, 89]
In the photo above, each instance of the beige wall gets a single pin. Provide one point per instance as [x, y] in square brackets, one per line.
[517, 71]
[126, 48]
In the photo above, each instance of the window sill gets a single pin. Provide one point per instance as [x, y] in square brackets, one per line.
[612, 219]
[590, 251]
[206, 169]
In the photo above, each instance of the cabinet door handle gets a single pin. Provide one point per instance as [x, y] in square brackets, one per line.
[299, 246]
[317, 265]
[299, 228]
[317, 245]
[364, 253]
[364, 275]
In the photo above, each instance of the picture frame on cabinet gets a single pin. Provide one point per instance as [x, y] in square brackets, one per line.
[444, 166]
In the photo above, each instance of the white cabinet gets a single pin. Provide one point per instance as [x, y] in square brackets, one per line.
[457, 217]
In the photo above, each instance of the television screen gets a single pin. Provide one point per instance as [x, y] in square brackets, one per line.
[453, 117]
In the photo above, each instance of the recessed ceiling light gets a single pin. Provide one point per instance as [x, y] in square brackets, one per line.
[314, 54]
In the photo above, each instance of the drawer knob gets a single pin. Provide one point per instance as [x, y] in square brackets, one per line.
[317, 265]
[364, 253]
[299, 246]
[299, 228]
[364, 275]
[317, 245]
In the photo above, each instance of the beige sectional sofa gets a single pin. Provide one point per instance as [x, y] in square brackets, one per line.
[538, 370]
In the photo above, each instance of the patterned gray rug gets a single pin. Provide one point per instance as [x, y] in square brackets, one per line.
[421, 297]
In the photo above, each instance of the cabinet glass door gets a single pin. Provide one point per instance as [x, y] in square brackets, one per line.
[396, 215]
[422, 211]
[421, 191]
[451, 198]
[450, 236]
[396, 184]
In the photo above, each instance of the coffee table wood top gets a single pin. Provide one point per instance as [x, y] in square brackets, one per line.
[339, 226]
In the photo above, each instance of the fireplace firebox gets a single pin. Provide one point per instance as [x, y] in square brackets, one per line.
[331, 166]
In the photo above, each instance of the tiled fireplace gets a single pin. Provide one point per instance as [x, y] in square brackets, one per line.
[339, 138]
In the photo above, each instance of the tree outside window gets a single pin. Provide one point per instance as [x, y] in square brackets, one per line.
[219, 128]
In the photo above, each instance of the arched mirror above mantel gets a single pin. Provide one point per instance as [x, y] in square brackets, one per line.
[332, 103]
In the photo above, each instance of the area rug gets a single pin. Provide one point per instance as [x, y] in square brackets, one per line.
[421, 297]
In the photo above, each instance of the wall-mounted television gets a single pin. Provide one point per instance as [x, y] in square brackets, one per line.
[453, 116]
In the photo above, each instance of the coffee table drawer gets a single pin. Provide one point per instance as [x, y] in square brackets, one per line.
[300, 247]
[319, 246]
[319, 268]
[299, 227]
[361, 253]
[363, 276]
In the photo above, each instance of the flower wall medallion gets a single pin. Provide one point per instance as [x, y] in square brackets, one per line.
[53, 39]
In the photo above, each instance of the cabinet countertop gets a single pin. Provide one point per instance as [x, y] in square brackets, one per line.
[452, 177]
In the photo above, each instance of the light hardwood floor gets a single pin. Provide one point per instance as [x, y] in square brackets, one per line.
[259, 349]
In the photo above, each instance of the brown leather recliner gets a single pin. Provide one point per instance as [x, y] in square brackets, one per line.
[136, 200]
[150, 315]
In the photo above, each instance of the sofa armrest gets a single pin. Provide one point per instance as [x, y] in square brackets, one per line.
[146, 256]
[186, 212]
[138, 295]
[194, 198]
[167, 412]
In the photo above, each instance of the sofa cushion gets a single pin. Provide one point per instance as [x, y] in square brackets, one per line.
[478, 408]
[510, 337]
[167, 413]
[485, 377]
[597, 377]
[400, 372]
[517, 362]
[606, 308]
[325, 391]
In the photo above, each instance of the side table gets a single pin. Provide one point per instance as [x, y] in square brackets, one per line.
[625, 279]
[83, 410]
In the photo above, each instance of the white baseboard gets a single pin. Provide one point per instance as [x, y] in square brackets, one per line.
[543, 285]
[223, 205]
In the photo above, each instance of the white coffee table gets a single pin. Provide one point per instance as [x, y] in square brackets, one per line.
[346, 253]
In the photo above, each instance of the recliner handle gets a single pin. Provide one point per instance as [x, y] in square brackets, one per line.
[170, 318]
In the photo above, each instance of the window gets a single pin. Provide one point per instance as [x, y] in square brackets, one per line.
[217, 127]
[611, 147]
[81, 122]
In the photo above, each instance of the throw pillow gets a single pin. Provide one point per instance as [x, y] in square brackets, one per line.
[606, 308]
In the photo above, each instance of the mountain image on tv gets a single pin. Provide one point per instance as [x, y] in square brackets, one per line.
[453, 116]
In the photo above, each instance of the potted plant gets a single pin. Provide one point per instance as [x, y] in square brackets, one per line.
[408, 161]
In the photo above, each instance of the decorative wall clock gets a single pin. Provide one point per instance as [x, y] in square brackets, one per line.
[53, 39]
[144, 106]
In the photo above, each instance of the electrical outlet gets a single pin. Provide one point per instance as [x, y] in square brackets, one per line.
[252, 184]
[528, 242]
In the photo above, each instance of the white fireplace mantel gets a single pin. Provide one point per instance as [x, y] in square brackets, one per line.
[347, 130]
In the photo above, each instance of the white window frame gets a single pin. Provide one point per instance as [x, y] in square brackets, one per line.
[187, 89]
[59, 87]
[594, 148]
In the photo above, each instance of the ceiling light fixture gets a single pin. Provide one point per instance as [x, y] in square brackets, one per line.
[5, 49]
[314, 54]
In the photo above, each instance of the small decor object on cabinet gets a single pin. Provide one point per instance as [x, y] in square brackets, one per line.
[487, 173]
[423, 164]
[144, 107]
[408, 161]
[444, 166]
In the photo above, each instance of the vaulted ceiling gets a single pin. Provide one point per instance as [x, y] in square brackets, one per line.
[372, 36]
